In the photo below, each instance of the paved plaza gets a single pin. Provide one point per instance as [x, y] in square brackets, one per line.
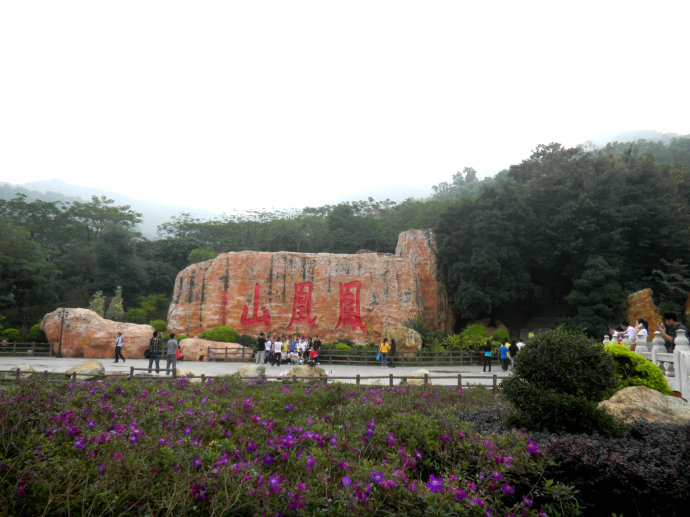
[470, 374]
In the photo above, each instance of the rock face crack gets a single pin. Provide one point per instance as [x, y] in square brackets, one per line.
[340, 294]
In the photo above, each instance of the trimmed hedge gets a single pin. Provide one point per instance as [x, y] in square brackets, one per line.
[634, 370]
[224, 334]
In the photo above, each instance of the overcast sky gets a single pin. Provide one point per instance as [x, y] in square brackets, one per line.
[270, 104]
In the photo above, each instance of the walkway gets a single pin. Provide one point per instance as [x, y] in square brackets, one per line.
[471, 374]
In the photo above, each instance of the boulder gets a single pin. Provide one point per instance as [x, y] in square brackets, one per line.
[185, 372]
[407, 341]
[334, 296]
[251, 371]
[87, 369]
[417, 373]
[306, 373]
[86, 334]
[191, 348]
[637, 403]
[25, 371]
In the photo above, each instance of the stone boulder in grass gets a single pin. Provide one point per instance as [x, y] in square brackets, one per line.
[305, 373]
[25, 371]
[639, 403]
[250, 371]
[87, 369]
[419, 380]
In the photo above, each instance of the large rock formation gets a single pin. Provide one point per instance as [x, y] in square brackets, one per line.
[641, 305]
[86, 334]
[329, 295]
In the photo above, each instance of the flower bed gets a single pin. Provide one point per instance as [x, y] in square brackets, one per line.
[134, 447]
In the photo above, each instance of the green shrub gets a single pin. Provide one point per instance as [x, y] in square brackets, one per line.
[115, 310]
[159, 325]
[473, 337]
[136, 315]
[634, 370]
[557, 382]
[36, 334]
[225, 334]
[247, 340]
[343, 346]
[11, 334]
[501, 336]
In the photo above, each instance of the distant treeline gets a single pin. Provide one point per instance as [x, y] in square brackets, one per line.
[576, 228]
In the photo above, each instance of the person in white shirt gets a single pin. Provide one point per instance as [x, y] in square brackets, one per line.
[520, 344]
[630, 330]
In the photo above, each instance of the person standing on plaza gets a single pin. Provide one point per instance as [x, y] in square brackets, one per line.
[119, 343]
[384, 348]
[487, 355]
[642, 331]
[155, 346]
[391, 357]
[505, 360]
[171, 356]
[260, 349]
[513, 349]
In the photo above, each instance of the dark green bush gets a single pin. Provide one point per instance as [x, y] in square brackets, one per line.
[159, 325]
[247, 340]
[225, 334]
[557, 382]
[136, 315]
[634, 370]
[11, 334]
[36, 334]
[501, 336]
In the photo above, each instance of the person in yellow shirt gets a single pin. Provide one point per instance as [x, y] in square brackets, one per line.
[384, 348]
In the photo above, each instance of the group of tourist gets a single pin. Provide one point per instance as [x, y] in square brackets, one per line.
[508, 354]
[172, 348]
[295, 349]
[639, 333]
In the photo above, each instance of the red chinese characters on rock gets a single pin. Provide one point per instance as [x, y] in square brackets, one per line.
[349, 306]
[301, 305]
[256, 318]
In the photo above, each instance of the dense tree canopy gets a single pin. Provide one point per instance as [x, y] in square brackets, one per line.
[568, 227]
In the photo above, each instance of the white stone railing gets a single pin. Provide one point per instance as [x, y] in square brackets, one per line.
[675, 365]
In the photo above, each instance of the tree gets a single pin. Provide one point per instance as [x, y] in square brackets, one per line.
[97, 303]
[597, 298]
[115, 310]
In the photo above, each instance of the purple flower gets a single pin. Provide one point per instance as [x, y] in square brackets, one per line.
[187, 430]
[496, 476]
[507, 489]
[391, 439]
[101, 468]
[286, 389]
[435, 484]
[377, 477]
[268, 459]
[79, 442]
[197, 461]
[310, 463]
[347, 481]
[274, 481]
[288, 407]
[251, 446]
[459, 494]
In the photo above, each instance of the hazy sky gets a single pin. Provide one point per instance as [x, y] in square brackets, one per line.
[270, 104]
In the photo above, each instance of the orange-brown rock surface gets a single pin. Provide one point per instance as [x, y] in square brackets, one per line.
[641, 305]
[86, 334]
[333, 296]
[191, 347]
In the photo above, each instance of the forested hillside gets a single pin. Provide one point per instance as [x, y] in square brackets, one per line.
[569, 227]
